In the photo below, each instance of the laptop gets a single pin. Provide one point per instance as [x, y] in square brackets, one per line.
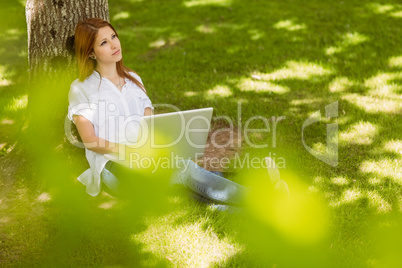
[180, 134]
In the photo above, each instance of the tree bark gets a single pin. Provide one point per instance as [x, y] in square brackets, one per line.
[51, 26]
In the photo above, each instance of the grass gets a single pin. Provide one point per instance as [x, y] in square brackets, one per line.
[277, 58]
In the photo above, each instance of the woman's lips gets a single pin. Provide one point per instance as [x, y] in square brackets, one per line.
[117, 52]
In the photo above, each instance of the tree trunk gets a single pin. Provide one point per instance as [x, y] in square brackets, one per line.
[51, 26]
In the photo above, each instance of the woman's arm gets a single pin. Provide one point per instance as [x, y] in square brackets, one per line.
[147, 111]
[90, 140]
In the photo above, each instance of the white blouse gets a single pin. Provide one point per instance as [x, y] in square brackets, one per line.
[114, 114]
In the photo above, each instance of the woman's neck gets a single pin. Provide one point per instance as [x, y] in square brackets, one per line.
[109, 71]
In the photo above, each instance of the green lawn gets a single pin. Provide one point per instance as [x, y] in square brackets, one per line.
[286, 58]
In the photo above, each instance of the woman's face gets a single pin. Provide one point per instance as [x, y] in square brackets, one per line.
[107, 46]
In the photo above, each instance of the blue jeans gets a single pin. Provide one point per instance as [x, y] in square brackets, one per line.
[203, 183]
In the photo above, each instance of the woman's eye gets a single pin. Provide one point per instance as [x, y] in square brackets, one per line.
[113, 36]
[104, 42]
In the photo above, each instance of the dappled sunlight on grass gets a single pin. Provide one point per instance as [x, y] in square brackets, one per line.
[12, 34]
[340, 84]
[7, 121]
[190, 94]
[306, 101]
[346, 40]
[186, 244]
[333, 50]
[395, 62]
[18, 103]
[394, 11]
[383, 84]
[375, 181]
[393, 146]
[248, 84]
[374, 104]
[205, 29]
[352, 39]
[353, 195]
[296, 70]
[397, 14]
[377, 201]
[44, 197]
[256, 34]
[359, 133]
[385, 168]
[176, 37]
[340, 181]
[3, 80]
[195, 3]
[157, 43]
[289, 25]
[219, 91]
[109, 204]
[231, 26]
[121, 15]
[348, 196]
[380, 8]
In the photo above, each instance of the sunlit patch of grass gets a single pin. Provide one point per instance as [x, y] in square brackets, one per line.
[219, 91]
[333, 50]
[157, 43]
[3, 80]
[374, 104]
[377, 201]
[391, 168]
[247, 84]
[359, 133]
[176, 37]
[347, 40]
[194, 3]
[190, 94]
[256, 34]
[7, 121]
[306, 101]
[18, 103]
[296, 70]
[382, 84]
[352, 39]
[352, 195]
[340, 84]
[205, 29]
[289, 25]
[375, 181]
[109, 204]
[341, 181]
[393, 146]
[380, 8]
[44, 197]
[187, 244]
[121, 15]
[395, 62]
[319, 147]
[397, 14]
[348, 196]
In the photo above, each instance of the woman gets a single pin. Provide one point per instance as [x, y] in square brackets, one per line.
[106, 90]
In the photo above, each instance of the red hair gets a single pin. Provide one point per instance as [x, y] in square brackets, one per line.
[85, 36]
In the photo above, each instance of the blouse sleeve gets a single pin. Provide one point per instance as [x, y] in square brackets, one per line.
[79, 104]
